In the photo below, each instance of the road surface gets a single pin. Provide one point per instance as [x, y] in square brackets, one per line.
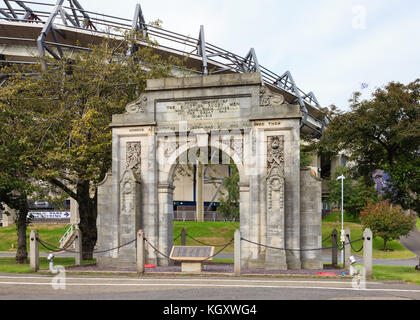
[46, 287]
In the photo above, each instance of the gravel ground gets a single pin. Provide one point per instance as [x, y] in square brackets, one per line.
[210, 268]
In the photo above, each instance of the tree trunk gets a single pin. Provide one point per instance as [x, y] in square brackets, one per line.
[385, 241]
[21, 224]
[88, 214]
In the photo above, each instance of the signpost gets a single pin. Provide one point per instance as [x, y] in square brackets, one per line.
[192, 258]
[49, 214]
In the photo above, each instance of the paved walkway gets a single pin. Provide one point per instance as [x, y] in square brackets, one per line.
[412, 241]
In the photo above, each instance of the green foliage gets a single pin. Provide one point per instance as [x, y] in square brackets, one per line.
[356, 193]
[382, 133]
[306, 157]
[229, 201]
[387, 221]
[60, 119]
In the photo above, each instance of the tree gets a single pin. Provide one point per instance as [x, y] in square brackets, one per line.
[15, 173]
[382, 133]
[387, 221]
[356, 193]
[229, 201]
[73, 101]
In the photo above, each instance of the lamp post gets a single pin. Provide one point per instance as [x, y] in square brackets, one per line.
[343, 239]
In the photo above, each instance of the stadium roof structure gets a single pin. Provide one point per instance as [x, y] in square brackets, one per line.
[30, 29]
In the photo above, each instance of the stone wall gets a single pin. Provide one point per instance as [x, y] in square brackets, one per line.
[167, 125]
[311, 219]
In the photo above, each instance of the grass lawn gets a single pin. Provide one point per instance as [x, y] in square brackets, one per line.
[212, 233]
[8, 265]
[418, 223]
[356, 230]
[50, 233]
[407, 274]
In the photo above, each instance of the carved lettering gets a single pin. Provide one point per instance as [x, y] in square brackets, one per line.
[203, 109]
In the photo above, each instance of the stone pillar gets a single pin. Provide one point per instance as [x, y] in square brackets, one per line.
[275, 259]
[183, 237]
[74, 212]
[310, 220]
[367, 253]
[166, 204]
[334, 250]
[107, 222]
[237, 255]
[292, 195]
[130, 217]
[78, 247]
[199, 191]
[34, 251]
[347, 249]
[244, 206]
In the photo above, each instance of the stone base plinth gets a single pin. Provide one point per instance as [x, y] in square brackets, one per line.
[195, 267]
[312, 265]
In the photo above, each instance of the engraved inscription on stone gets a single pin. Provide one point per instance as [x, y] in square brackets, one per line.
[200, 109]
[191, 253]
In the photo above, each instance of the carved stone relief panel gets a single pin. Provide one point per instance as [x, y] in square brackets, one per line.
[133, 157]
[270, 99]
[275, 259]
[137, 106]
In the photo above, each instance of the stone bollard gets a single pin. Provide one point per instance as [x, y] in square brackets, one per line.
[237, 256]
[347, 249]
[78, 247]
[34, 251]
[367, 252]
[140, 252]
[334, 250]
[183, 237]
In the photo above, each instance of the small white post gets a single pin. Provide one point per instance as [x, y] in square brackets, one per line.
[347, 249]
[34, 251]
[237, 256]
[140, 252]
[367, 253]
[78, 248]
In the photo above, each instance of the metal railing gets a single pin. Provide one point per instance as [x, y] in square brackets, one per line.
[56, 18]
[67, 235]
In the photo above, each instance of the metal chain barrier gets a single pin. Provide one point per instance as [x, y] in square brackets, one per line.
[299, 250]
[351, 244]
[53, 248]
[205, 244]
[327, 238]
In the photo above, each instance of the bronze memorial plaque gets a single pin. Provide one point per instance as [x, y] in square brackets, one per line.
[192, 253]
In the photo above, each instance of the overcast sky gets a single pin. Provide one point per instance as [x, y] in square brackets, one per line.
[331, 47]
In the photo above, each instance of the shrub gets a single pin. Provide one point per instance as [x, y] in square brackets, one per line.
[387, 221]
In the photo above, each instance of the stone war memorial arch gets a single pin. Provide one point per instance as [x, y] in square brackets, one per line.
[244, 121]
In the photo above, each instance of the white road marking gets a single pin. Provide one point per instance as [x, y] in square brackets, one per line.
[194, 280]
[177, 285]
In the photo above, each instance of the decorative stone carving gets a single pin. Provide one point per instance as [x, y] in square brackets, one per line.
[134, 157]
[236, 143]
[137, 106]
[270, 99]
[170, 148]
[275, 153]
[275, 258]
[130, 220]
